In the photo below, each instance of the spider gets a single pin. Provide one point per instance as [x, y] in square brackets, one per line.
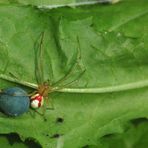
[44, 88]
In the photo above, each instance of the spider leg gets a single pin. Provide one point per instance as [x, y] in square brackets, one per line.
[77, 63]
[44, 109]
[69, 83]
[33, 113]
[48, 101]
[32, 93]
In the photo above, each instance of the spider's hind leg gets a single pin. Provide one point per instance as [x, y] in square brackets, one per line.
[35, 112]
[77, 65]
[49, 103]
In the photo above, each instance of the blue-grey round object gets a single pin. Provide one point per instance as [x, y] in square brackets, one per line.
[14, 101]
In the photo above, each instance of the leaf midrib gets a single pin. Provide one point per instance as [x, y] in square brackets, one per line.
[115, 88]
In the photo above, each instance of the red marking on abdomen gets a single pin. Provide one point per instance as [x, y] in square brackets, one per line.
[39, 98]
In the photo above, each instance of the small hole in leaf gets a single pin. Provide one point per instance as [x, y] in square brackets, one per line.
[107, 135]
[59, 120]
[56, 135]
[138, 121]
[86, 146]
[45, 119]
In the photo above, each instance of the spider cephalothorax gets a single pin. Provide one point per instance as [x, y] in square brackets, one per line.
[37, 100]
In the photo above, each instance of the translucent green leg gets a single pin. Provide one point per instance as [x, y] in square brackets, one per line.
[50, 101]
[77, 63]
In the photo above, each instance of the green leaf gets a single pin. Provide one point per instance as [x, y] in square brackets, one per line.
[103, 40]
[135, 136]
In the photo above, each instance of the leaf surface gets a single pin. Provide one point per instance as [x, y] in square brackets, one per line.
[112, 52]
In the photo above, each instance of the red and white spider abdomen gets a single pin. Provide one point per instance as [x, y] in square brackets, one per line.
[37, 101]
